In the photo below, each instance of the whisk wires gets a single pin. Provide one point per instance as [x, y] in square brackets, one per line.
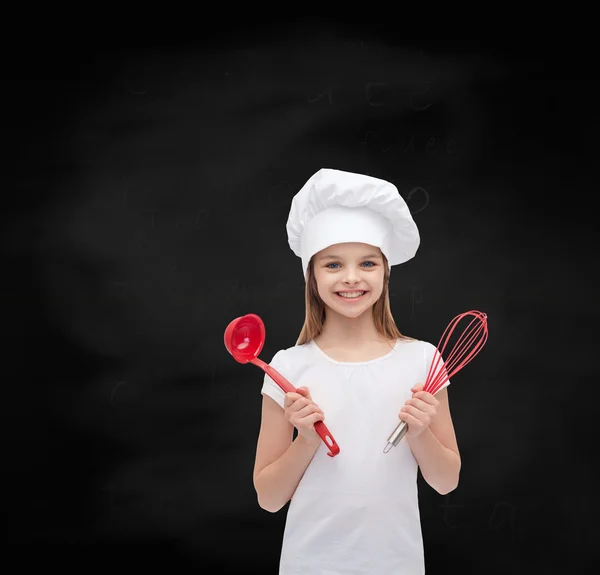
[469, 344]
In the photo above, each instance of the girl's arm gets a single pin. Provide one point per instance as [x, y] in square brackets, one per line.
[436, 449]
[280, 462]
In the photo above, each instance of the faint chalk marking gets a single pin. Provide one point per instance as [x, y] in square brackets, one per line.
[112, 394]
[370, 137]
[201, 219]
[132, 90]
[446, 506]
[500, 518]
[240, 292]
[153, 220]
[327, 92]
[418, 190]
[368, 87]
[409, 147]
[416, 95]
[450, 146]
[430, 147]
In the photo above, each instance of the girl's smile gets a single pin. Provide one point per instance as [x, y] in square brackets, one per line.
[351, 296]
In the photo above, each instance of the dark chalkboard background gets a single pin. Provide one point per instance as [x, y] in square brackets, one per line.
[148, 190]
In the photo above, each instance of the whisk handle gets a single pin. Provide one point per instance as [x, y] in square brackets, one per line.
[396, 436]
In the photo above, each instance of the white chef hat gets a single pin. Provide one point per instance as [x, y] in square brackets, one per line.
[336, 207]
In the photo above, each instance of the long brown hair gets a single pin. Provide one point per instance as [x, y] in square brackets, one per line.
[315, 309]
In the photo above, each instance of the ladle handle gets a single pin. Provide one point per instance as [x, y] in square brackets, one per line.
[320, 427]
[326, 436]
[278, 378]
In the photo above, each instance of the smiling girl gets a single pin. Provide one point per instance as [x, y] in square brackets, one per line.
[355, 513]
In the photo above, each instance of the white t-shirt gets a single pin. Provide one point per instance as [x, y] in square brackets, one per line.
[356, 513]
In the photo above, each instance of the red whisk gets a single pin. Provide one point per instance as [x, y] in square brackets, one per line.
[465, 349]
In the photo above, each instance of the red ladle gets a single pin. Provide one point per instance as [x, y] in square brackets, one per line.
[244, 340]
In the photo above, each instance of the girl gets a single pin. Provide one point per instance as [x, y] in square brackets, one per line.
[357, 512]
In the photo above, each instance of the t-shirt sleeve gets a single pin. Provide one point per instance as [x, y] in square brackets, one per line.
[270, 387]
[435, 368]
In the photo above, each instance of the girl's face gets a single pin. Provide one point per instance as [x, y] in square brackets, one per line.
[350, 269]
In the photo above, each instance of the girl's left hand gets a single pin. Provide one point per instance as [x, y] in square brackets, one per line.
[419, 411]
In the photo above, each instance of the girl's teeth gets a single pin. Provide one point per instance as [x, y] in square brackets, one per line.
[352, 294]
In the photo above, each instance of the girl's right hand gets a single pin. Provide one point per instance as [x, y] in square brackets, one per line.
[302, 412]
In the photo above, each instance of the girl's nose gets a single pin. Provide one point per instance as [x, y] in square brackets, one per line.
[351, 277]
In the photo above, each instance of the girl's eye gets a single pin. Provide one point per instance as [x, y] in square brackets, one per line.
[336, 264]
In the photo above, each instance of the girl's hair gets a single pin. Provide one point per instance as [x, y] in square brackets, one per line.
[315, 309]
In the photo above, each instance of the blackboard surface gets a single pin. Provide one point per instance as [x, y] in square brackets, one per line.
[148, 187]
